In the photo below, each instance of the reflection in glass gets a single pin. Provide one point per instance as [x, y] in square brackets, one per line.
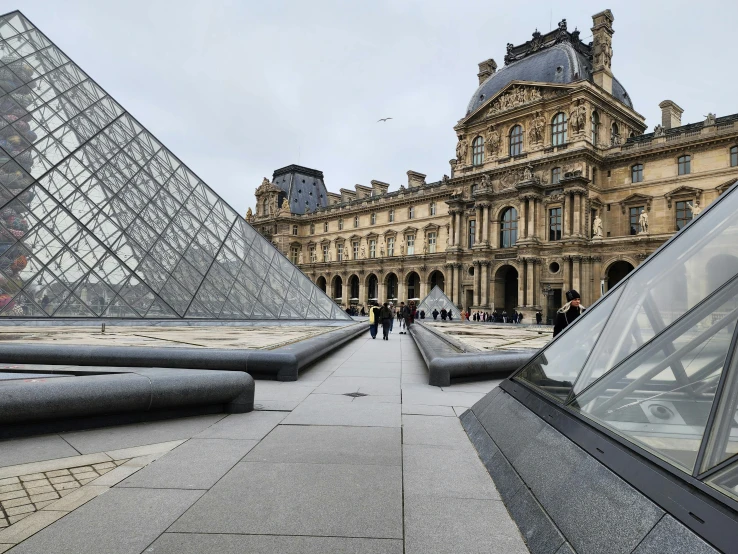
[726, 481]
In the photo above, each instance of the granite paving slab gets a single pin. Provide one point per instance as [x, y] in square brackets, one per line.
[196, 464]
[139, 434]
[345, 413]
[121, 521]
[193, 543]
[368, 385]
[251, 426]
[422, 409]
[301, 499]
[34, 449]
[435, 431]
[330, 445]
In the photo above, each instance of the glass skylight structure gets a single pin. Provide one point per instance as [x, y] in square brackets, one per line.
[99, 219]
[654, 361]
[436, 300]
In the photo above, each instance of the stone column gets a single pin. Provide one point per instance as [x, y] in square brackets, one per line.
[457, 229]
[537, 269]
[423, 289]
[485, 284]
[577, 214]
[449, 281]
[576, 280]
[530, 283]
[479, 224]
[345, 292]
[381, 293]
[485, 224]
[477, 283]
[565, 215]
[457, 285]
[495, 239]
[567, 273]
[521, 284]
[531, 229]
[401, 295]
[362, 292]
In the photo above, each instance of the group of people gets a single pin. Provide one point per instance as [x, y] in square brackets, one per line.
[385, 315]
[445, 314]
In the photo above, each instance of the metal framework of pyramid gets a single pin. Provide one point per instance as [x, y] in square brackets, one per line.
[436, 300]
[99, 219]
[654, 361]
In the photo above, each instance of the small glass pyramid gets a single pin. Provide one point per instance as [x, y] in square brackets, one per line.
[99, 219]
[435, 300]
[654, 360]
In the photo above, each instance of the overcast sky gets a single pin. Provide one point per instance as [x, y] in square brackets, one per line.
[237, 89]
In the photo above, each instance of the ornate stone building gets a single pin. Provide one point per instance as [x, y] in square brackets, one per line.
[554, 186]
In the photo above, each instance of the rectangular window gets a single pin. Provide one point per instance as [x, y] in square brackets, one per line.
[294, 230]
[410, 245]
[635, 214]
[294, 251]
[391, 216]
[554, 224]
[472, 233]
[734, 156]
[432, 243]
[356, 221]
[555, 175]
[685, 165]
[325, 253]
[313, 257]
[325, 227]
[636, 173]
[340, 224]
[683, 214]
[373, 219]
[339, 248]
[372, 248]
[391, 246]
[411, 212]
[433, 208]
[356, 249]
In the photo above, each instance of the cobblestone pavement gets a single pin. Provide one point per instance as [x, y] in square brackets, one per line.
[359, 455]
[495, 336]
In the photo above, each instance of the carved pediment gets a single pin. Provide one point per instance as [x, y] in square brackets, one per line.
[725, 186]
[266, 187]
[431, 227]
[682, 192]
[409, 230]
[636, 199]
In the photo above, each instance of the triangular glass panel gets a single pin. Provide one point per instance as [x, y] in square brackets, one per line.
[74, 307]
[197, 310]
[726, 481]
[118, 308]
[436, 300]
[160, 309]
[21, 306]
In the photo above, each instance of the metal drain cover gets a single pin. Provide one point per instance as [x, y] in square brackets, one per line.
[355, 394]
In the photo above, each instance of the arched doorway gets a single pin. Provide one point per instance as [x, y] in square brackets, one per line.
[506, 289]
[391, 282]
[617, 272]
[436, 279]
[337, 288]
[353, 284]
[321, 283]
[372, 287]
[412, 282]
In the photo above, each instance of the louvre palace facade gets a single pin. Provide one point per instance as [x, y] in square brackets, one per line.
[555, 184]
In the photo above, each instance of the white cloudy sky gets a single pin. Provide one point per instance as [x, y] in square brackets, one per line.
[240, 88]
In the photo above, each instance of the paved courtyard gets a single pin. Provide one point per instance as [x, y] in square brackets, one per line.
[494, 336]
[360, 455]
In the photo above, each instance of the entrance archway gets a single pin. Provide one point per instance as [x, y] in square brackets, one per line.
[391, 286]
[506, 289]
[372, 287]
[353, 284]
[321, 283]
[617, 272]
[436, 279]
[412, 283]
[337, 288]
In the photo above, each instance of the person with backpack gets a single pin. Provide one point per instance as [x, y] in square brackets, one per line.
[385, 316]
[373, 321]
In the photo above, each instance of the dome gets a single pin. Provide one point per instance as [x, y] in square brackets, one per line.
[559, 64]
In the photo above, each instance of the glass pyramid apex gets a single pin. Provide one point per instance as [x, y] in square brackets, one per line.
[99, 219]
[436, 300]
[654, 361]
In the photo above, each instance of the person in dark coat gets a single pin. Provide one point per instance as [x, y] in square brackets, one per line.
[568, 312]
[374, 316]
[444, 313]
[422, 314]
[450, 315]
[539, 318]
[435, 313]
[385, 316]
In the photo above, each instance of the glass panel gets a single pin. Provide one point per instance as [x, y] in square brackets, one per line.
[678, 278]
[554, 370]
[726, 481]
[661, 396]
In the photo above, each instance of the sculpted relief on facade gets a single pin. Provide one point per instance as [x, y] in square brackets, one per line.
[513, 98]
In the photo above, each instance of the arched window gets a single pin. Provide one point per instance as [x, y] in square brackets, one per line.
[558, 129]
[684, 164]
[614, 134]
[478, 151]
[516, 140]
[509, 228]
[595, 128]
[555, 175]
[312, 228]
[373, 219]
[432, 208]
[636, 173]
[734, 156]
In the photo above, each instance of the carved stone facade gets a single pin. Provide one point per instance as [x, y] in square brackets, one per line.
[514, 228]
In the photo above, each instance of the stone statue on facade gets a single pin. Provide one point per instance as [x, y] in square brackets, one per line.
[709, 119]
[363, 253]
[597, 227]
[493, 141]
[402, 249]
[528, 173]
[695, 209]
[425, 249]
[643, 222]
[300, 259]
[537, 128]
[461, 147]
[486, 182]
[458, 193]
[285, 207]
[445, 178]
[381, 251]
[658, 131]
[249, 214]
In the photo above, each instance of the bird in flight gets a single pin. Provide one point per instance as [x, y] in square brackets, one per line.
[383, 119]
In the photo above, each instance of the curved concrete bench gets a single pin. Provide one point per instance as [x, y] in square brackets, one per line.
[25, 402]
[445, 360]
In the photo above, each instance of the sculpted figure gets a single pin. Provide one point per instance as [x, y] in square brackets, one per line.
[710, 119]
[537, 128]
[300, 259]
[381, 251]
[643, 222]
[249, 214]
[528, 173]
[285, 207]
[597, 227]
[461, 148]
[363, 253]
[493, 141]
[486, 182]
[458, 192]
[695, 209]
[402, 249]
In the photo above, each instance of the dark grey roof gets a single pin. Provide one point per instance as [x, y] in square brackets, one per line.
[304, 188]
[688, 127]
[558, 64]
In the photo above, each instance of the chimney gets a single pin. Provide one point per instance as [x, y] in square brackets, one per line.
[415, 179]
[486, 68]
[671, 114]
[602, 49]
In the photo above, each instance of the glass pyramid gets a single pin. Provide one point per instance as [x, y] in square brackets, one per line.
[654, 360]
[99, 219]
[435, 300]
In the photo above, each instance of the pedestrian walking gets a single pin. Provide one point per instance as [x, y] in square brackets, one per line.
[444, 314]
[385, 316]
[422, 314]
[450, 315]
[401, 318]
[435, 313]
[373, 321]
[568, 312]
[539, 318]
[392, 318]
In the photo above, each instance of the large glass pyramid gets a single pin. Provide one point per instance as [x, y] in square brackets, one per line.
[435, 300]
[654, 361]
[99, 219]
